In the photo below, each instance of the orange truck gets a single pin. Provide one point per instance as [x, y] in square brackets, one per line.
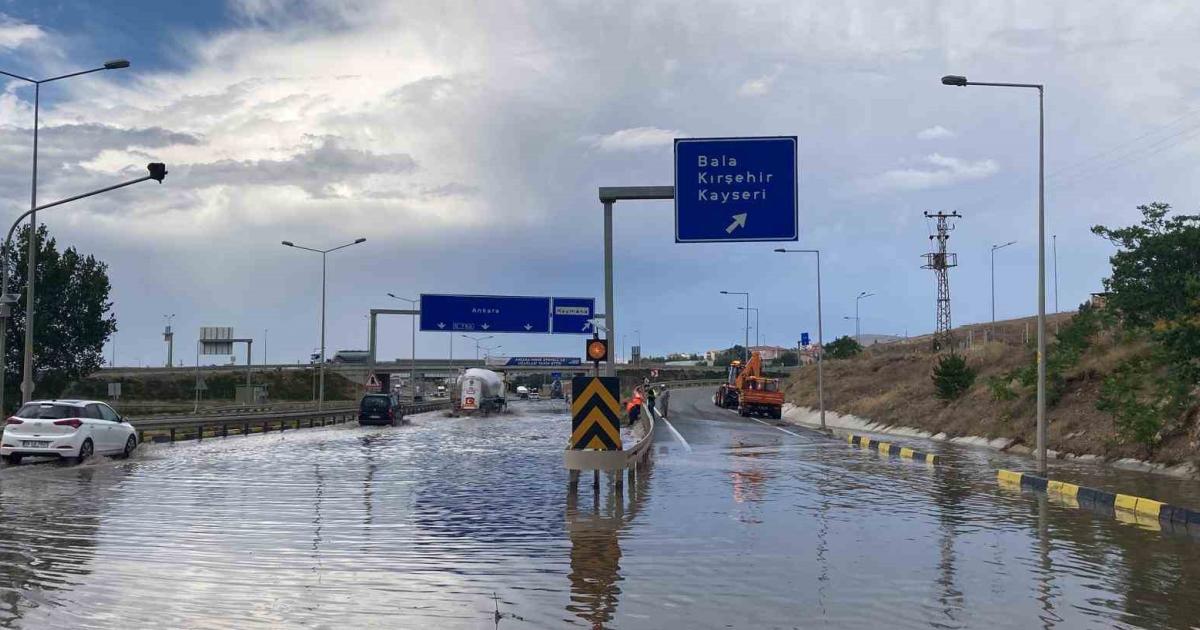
[748, 391]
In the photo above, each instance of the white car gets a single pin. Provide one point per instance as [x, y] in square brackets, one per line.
[68, 429]
[535, 394]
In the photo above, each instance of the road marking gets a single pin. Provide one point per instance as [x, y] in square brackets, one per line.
[675, 433]
[767, 424]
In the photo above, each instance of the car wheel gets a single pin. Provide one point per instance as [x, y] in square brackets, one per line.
[85, 451]
[130, 445]
[12, 460]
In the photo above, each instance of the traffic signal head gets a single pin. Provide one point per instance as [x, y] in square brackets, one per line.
[158, 171]
[597, 350]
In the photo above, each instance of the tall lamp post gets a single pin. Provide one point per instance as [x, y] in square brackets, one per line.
[961, 81]
[27, 379]
[477, 340]
[757, 330]
[169, 337]
[820, 332]
[994, 248]
[857, 319]
[323, 253]
[157, 172]
[412, 366]
[747, 295]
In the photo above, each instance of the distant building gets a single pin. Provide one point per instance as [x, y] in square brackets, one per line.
[1099, 300]
[769, 353]
[710, 357]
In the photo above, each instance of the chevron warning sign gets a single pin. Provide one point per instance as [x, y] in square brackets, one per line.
[596, 413]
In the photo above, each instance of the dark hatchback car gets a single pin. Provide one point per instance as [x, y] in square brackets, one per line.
[380, 409]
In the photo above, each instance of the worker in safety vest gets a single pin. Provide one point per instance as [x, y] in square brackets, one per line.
[634, 407]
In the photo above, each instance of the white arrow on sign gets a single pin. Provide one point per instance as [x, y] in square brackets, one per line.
[528, 326]
[486, 326]
[441, 324]
[586, 326]
[739, 220]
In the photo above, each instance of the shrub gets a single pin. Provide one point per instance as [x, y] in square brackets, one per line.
[1142, 400]
[842, 348]
[952, 377]
[999, 386]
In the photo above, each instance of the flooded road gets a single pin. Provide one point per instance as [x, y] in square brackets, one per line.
[468, 523]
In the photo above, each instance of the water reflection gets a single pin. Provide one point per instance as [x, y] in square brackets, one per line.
[49, 521]
[595, 533]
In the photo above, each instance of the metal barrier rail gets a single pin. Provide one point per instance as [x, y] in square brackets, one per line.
[198, 427]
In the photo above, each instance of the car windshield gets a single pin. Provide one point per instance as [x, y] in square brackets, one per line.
[48, 411]
[375, 403]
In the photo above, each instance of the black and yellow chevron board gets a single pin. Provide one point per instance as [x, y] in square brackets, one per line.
[887, 448]
[596, 413]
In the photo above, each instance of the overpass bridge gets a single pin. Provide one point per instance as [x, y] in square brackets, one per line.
[429, 368]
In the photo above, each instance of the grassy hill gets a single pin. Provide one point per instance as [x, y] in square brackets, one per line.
[893, 384]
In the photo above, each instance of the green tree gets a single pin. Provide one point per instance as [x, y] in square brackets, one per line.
[1155, 283]
[729, 355]
[842, 348]
[952, 377]
[73, 316]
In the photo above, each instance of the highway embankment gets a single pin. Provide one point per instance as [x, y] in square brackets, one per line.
[889, 389]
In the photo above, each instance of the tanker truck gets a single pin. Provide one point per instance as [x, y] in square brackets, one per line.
[478, 391]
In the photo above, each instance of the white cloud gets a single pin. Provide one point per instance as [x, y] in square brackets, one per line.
[15, 33]
[759, 86]
[633, 139]
[942, 171]
[935, 132]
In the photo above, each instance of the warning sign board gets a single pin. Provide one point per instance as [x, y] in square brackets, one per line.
[373, 384]
[595, 413]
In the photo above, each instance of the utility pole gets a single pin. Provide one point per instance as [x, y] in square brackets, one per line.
[169, 337]
[940, 262]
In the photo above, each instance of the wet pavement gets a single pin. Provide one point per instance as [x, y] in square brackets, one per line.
[469, 523]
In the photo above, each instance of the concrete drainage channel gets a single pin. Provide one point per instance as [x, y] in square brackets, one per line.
[175, 428]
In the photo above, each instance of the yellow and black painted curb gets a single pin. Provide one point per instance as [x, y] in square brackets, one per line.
[1120, 506]
[887, 448]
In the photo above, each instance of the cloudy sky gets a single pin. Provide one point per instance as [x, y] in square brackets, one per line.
[466, 142]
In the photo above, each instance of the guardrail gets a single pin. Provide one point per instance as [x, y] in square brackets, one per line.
[173, 428]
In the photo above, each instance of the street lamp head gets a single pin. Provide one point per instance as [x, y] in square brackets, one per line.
[393, 295]
[724, 293]
[359, 240]
[288, 243]
[954, 79]
[116, 64]
[781, 250]
[158, 171]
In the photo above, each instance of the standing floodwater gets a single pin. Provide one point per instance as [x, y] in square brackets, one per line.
[444, 522]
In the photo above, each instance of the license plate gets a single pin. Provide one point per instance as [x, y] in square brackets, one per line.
[35, 443]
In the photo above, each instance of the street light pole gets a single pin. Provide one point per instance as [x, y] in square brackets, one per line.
[412, 369]
[857, 319]
[757, 328]
[158, 172]
[820, 333]
[994, 248]
[31, 279]
[747, 296]
[477, 340]
[961, 81]
[1054, 241]
[324, 253]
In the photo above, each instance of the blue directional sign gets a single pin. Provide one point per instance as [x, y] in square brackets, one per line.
[573, 316]
[804, 339]
[485, 313]
[736, 189]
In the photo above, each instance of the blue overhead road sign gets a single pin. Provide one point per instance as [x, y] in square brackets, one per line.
[573, 316]
[485, 313]
[736, 189]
